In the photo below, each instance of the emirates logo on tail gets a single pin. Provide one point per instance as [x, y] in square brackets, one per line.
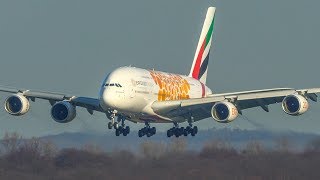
[199, 68]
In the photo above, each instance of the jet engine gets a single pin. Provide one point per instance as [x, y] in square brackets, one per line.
[63, 112]
[295, 105]
[224, 112]
[17, 105]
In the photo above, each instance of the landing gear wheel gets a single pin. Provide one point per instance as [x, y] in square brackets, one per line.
[149, 134]
[177, 132]
[192, 133]
[118, 132]
[147, 130]
[140, 133]
[144, 131]
[110, 125]
[153, 130]
[195, 129]
[185, 132]
[188, 128]
[181, 131]
[127, 130]
[120, 128]
[169, 133]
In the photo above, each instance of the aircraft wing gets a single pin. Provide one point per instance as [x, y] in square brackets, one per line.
[201, 108]
[91, 104]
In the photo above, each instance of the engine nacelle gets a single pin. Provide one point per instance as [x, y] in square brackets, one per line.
[224, 112]
[17, 105]
[295, 105]
[63, 112]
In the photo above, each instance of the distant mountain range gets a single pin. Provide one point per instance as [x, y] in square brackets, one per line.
[235, 137]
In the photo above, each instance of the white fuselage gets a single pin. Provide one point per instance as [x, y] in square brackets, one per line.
[131, 91]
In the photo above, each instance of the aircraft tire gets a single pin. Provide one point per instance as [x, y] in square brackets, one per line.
[195, 130]
[153, 130]
[149, 134]
[121, 129]
[169, 133]
[182, 131]
[125, 133]
[185, 132]
[188, 128]
[177, 132]
[127, 130]
[192, 133]
[118, 132]
[110, 125]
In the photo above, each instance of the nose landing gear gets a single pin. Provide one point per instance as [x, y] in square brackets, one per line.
[120, 129]
[147, 131]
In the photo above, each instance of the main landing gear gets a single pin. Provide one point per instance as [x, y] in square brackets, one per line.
[147, 131]
[176, 131]
[120, 128]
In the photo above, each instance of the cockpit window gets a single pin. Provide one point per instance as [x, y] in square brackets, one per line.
[113, 84]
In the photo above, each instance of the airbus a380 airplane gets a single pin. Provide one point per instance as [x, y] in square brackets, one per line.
[148, 96]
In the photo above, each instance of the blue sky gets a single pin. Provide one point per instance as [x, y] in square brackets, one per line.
[69, 46]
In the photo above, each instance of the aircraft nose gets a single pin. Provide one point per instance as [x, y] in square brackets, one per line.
[108, 99]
